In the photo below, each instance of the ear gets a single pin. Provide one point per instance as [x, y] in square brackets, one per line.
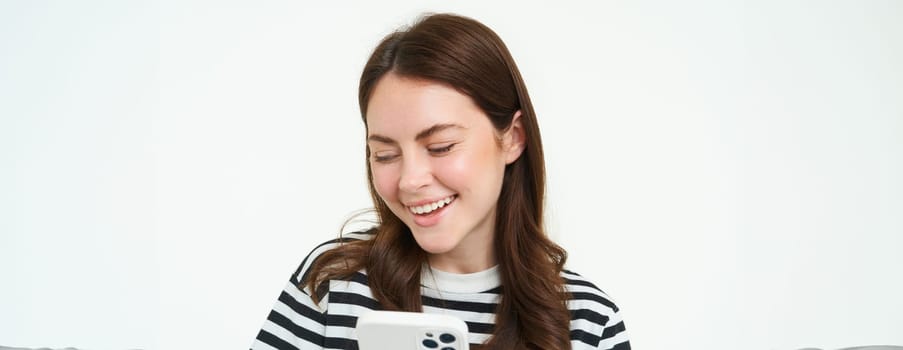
[514, 139]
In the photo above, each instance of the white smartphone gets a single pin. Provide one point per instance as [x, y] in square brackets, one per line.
[381, 330]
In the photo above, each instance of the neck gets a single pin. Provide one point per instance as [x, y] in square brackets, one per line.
[463, 262]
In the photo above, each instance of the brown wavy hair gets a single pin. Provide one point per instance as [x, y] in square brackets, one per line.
[470, 57]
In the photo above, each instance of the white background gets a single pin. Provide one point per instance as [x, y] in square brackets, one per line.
[728, 171]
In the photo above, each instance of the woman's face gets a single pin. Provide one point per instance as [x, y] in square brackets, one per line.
[439, 164]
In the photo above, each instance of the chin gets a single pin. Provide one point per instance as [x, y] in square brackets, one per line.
[434, 245]
[436, 250]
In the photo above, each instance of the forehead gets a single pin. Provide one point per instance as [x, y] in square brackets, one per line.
[399, 106]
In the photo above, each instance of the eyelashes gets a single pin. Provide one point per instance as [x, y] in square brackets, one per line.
[386, 157]
[443, 149]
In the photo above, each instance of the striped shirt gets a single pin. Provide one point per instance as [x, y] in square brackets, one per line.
[296, 322]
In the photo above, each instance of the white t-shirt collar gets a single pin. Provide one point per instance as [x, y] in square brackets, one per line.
[460, 283]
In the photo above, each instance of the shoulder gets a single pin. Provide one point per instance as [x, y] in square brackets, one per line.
[298, 322]
[302, 272]
[582, 289]
[595, 318]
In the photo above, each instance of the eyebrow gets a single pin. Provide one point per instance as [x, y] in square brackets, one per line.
[420, 135]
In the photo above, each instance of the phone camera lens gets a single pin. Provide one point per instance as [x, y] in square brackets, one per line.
[447, 338]
[432, 344]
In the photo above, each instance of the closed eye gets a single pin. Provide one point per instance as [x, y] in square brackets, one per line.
[384, 157]
[442, 150]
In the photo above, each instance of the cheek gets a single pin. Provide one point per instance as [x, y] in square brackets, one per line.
[453, 170]
[385, 180]
[468, 170]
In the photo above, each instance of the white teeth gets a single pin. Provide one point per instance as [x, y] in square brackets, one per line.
[427, 208]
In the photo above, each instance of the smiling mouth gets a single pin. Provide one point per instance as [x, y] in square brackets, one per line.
[431, 207]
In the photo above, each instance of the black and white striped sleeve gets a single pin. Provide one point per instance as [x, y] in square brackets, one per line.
[614, 335]
[296, 322]
[595, 319]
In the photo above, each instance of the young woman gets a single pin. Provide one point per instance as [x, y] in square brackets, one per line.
[456, 172]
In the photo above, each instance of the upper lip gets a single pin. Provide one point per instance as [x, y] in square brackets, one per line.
[426, 201]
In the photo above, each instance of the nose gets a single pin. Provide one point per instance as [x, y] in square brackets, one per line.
[416, 173]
